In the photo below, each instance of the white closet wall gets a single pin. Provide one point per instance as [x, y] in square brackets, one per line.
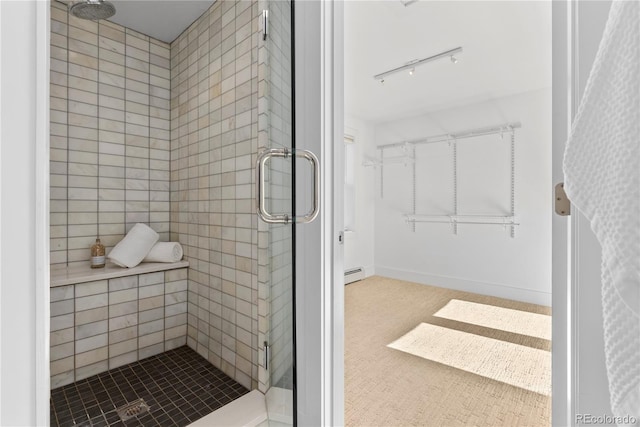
[359, 243]
[480, 258]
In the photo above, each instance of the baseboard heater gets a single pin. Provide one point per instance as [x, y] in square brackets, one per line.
[353, 275]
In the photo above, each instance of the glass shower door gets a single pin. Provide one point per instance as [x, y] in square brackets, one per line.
[275, 173]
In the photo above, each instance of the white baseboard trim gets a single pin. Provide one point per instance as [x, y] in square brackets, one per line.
[484, 288]
[369, 270]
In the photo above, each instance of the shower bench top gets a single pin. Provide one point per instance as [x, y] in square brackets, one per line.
[84, 273]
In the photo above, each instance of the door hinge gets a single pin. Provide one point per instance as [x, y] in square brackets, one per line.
[265, 24]
[341, 237]
[562, 202]
[266, 356]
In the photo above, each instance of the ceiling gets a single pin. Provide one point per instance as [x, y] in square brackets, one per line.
[162, 20]
[506, 50]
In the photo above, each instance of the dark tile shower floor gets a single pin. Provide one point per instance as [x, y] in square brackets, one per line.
[179, 386]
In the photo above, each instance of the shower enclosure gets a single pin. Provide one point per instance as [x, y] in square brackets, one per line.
[194, 137]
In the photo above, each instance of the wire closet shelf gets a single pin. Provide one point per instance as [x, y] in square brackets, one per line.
[408, 158]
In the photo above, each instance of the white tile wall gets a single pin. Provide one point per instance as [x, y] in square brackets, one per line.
[168, 135]
[96, 326]
[214, 100]
[110, 130]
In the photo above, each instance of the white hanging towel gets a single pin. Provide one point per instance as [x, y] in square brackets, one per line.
[130, 251]
[602, 179]
[165, 252]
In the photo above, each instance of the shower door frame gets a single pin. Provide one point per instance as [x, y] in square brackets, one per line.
[319, 275]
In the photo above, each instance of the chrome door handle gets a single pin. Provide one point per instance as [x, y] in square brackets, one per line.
[261, 198]
[315, 209]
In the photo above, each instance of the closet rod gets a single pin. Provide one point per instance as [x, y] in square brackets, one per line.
[505, 128]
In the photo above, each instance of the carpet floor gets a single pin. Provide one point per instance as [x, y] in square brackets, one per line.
[419, 355]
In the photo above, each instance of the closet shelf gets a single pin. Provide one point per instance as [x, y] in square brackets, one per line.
[397, 160]
[506, 220]
[452, 139]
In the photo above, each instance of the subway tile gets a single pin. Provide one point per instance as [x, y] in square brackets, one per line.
[126, 295]
[90, 302]
[151, 291]
[82, 181]
[61, 351]
[87, 371]
[123, 359]
[61, 322]
[89, 146]
[151, 303]
[175, 298]
[83, 101]
[123, 309]
[61, 336]
[82, 193]
[175, 275]
[123, 334]
[176, 320]
[151, 279]
[122, 283]
[61, 365]
[115, 34]
[91, 343]
[116, 92]
[62, 293]
[172, 310]
[62, 379]
[123, 322]
[150, 339]
[123, 347]
[111, 44]
[150, 327]
[150, 315]
[91, 329]
[91, 316]
[61, 307]
[112, 84]
[82, 88]
[89, 28]
[84, 49]
[151, 350]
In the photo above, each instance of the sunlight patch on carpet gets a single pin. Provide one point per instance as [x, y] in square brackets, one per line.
[513, 364]
[504, 319]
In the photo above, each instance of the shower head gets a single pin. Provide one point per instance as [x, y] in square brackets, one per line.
[92, 9]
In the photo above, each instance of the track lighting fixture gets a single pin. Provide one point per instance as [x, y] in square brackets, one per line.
[411, 65]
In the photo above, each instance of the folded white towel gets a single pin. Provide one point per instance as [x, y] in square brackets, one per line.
[131, 250]
[165, 252]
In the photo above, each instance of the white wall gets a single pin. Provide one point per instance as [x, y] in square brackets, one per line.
[23, 337]
[359, 243]
[480, 258]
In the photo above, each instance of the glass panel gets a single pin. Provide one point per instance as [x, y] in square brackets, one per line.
[276, 240]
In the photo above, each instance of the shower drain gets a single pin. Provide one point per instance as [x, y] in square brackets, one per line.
[132, 409]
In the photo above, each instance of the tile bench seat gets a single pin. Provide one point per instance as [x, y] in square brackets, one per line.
[105, 318]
